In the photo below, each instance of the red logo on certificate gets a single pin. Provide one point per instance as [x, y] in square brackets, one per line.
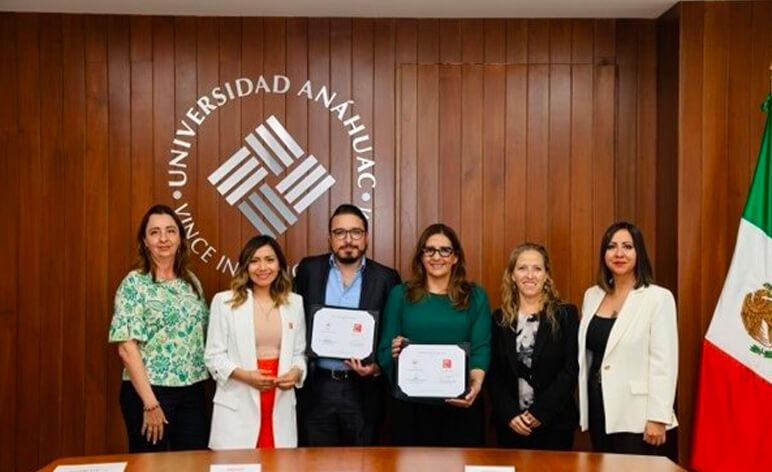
[357, 327]
[447, 364]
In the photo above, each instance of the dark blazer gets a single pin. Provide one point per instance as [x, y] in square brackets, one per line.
[554, 372]
[377, 281]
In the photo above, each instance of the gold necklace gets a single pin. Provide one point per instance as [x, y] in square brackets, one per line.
[266, 313]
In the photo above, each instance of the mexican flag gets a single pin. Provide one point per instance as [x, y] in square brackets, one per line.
[733, 421]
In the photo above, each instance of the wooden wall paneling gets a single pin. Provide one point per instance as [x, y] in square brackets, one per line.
[470, 232]
[741, 107]
[646, 125]
[252, 50]
[274, 62]
[761, 53]
[690, 214]
[185, 81]
[363, 94]
[604, 122]
[73, 309]
[539, 41]
[142, 164]
[559, 174]
[582, 43]
[53, 188]
[516, 138]
[450, 119]
[383, 230]
[407, 143]
[627, 150]
[495, 41]
[121, 225]
[207, 199]
[427, 158]
[163, 104]
[96, 228]
[406, 52]
[30, 193]
[297, 121]
[494, 248]
[450, 41]
[517, 41]
[428, 40]
[340, 82]
[9, 246]
[581, 183]
[472, 44]
[537, 184]
[231, 137]
[319, 127]
[666, 185]
[560, 41]
[715, 165]
[605, 43]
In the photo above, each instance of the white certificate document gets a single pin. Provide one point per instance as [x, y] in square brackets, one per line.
[235, 468]
[103, 467]
[432, 370]
[343, 334]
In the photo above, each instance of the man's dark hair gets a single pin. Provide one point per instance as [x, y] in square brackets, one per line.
[348, 209]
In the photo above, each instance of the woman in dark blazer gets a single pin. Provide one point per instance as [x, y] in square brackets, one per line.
[534, 369]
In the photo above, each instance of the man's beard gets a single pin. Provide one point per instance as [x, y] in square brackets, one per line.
[343, 258]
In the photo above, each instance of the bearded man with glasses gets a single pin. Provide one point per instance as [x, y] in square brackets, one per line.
[342, 401]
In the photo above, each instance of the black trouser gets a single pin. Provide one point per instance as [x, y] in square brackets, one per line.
[622, 443]
[429, 425]
[333, 414]
[541, 438]
[184, 409]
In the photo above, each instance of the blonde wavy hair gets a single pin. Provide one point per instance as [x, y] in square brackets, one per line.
[241, 283]
[510, 297]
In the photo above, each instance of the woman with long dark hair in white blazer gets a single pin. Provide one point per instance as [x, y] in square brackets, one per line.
[255, 352]
[628, 350]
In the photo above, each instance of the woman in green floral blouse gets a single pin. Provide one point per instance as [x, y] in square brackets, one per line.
[159, 322]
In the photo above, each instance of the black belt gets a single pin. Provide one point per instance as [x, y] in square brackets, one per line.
[339, 375]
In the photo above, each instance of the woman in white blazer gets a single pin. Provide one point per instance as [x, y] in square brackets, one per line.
[628, 350]
[255, 352]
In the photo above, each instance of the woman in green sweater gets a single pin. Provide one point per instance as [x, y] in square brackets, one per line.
[438, 306]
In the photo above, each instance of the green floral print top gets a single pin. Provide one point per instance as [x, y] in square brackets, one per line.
[168, 321]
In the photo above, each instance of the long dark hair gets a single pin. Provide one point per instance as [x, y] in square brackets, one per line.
[241, 283]
[145, 263]
[643, 272]
[459, 289]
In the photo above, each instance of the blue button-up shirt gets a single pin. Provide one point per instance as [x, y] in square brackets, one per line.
[338, 294]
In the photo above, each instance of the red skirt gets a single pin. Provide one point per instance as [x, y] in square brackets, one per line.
[265, 437]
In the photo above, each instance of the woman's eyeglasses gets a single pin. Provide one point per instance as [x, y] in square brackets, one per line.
[444, 251]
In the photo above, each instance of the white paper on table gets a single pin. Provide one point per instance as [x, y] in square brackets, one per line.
[489, 468]
[432, 370]
[101, 467]
[343, 334]
[235, 468]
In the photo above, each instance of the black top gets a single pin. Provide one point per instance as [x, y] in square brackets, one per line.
[597, 338]
[553, 373]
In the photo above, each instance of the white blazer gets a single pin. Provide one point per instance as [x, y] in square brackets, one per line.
[230, 344]
[640, 364]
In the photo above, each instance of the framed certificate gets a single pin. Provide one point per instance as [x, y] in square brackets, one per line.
[343, 333]
[432, 371]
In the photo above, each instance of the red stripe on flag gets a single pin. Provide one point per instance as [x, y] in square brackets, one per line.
[733, 421]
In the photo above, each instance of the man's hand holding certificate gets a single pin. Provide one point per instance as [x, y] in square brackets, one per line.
[343, 333]
[436, 371]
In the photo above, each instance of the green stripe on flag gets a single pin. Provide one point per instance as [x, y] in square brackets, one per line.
[758, 208]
